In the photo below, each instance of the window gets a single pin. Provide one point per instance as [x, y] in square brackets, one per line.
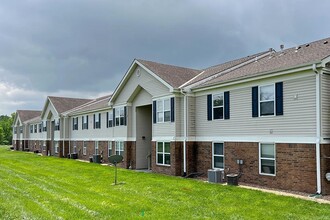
[57, 125]
[31, 129]
[21, 129]
[96, 147]
[15, 130]
[109, 148]
[44, 145]
[218, 156]
[267, 100]
[109, 119]
[35, 129]
[120, 116]
[163, 110]
[84, 147]
[97, 120]
[84, 122]
[56, 147]
[163, 153]
[74, 147]
[120, 148]
[40, 127]
[44, 126]
[267, 163]
[75, 123]
[218, 106]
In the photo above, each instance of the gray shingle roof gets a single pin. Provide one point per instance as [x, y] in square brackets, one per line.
[173, 75]
[63, 104]
[96, 104]
[303, 55]
[26, 115]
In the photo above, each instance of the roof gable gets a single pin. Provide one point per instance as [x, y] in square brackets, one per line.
[25, 115]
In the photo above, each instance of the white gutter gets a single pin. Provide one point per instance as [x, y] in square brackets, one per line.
[184, 132]
[318, 131]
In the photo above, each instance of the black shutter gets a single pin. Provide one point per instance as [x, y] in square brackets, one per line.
[125, 115]
[154, 111]
[87, 122]
[99, 120]
[227, 105]
[255, 102]
[279, 98]
[72, 124]
[107, 121]
[209, 107]
[94, 121]
[114, 117]
[172, 109]
[77, 123]
[82, 122]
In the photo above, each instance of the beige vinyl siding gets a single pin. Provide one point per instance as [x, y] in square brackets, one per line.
[146, 81]
[141, 99]
[191, 115]
[325, 100]
[166, 129]
[179, 116]
[298, 118]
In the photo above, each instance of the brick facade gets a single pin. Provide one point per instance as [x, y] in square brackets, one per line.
[325, 168]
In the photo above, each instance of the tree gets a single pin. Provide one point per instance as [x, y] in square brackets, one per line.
[6, 134]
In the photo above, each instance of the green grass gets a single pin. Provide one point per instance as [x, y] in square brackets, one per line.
[36, 187]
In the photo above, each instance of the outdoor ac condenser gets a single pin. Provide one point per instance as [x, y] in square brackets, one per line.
[215, 176]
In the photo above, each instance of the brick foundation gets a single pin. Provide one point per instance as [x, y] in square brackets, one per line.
[325, 168]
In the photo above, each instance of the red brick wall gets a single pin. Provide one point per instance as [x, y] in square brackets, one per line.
[325, 168]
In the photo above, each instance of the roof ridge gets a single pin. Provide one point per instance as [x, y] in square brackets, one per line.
[141, 60]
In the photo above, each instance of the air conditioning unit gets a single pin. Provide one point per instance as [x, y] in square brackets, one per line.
[215, 176]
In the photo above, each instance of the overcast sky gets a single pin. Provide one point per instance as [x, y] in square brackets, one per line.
[82, 48]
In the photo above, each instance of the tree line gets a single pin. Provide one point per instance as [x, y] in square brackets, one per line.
[6, 131]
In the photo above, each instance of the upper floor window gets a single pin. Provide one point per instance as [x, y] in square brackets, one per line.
[97, 120]
[163, 110]
[85, 122]
[109, 119]
[44, 125]
[15, 130]
[75, 123]
[21, 129]
[40, 127]
[120, 116]
[267, 161]
[218, 106]
[35, 128]
[57, 125]
[31, 129]
[267, 100]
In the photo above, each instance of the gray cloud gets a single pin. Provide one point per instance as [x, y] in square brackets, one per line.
[85, 47]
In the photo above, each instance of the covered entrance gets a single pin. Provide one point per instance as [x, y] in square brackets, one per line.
[143, 136]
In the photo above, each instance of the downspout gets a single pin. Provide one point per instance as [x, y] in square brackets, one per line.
[69, 137]
[318, 131]
[184, 132]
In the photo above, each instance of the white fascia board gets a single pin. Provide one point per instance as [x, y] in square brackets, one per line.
[264, 75]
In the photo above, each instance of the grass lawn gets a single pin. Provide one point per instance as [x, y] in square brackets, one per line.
[37, 187]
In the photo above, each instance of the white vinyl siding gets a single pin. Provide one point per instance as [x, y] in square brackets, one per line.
[325, 100]
[298, 120]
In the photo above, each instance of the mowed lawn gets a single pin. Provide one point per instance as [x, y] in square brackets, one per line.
[38, 187]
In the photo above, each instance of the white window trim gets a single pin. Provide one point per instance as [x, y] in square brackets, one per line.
[265, 158]
[96, 148]
[84, 122]
[218, 155]
[223, 106]
[75, 147]
[84, 148]
[259, 102]
[163, 110]
[163, 164]
[120, 147]
[118, 110]
[56, 147]
[110, 118]
[110, 148]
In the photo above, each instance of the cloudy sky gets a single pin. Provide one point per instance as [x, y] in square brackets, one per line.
[82, 48]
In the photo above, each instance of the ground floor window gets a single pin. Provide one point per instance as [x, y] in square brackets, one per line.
[109, 148]
[74, 147]
[120, 148]
[163, 156]
[96, 147]
[56, 147]
[218, 156]
[267, 161]
[85, 148]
